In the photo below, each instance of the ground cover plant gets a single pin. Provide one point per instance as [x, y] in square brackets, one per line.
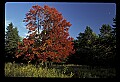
[58, 71]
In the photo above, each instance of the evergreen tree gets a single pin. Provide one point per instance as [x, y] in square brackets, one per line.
[92, 49]
[113, 44]
[11, 40]
[84, 47]
[105, 31]
[104, 48]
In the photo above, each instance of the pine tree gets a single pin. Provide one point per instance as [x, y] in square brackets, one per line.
[105, 46]
[11, 40]
[84, 47]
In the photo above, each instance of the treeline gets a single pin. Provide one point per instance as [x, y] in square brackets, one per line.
[90, 48]
[93, 49]
[54, 44]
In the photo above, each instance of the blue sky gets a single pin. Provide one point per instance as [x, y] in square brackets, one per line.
[79, 15]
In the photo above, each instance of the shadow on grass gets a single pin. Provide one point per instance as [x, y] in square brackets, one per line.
[84, 71]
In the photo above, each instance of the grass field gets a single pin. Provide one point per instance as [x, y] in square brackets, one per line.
[58, 71]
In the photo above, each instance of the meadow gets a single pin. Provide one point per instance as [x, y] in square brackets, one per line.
[58, 71]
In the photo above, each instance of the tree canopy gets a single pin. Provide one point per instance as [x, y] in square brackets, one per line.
[53, 43]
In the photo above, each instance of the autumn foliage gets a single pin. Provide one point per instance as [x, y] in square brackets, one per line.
[48, 36]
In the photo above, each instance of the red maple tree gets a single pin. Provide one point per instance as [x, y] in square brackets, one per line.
[53, 42]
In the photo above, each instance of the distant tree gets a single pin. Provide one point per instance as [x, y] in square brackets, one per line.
[104, 49]
[84, 47]
[113, 44]
[114, 21]
[53, 42]
[92, 49]
[114, 30]
[105, 39]
[105, 31]
[11, 40]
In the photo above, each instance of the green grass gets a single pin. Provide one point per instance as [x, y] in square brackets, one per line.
[16, 70]
[58, 71]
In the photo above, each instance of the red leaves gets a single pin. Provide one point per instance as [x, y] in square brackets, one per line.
[34, 7]
[25, 20]
[32, 29]
[34, 18]
[31, 41]
[46, 7]
[32, 11]
[49, 42]
[68, 24]
[28, 17]
[53, 41]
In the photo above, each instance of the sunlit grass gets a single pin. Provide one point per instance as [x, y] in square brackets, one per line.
[15, 70]
[58, 71]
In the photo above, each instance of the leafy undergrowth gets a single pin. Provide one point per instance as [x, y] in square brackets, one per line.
[17, 70]
[58, 71]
